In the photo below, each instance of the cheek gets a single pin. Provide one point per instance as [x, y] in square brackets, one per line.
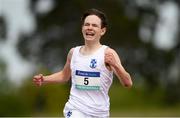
[82, 30]
[100, 33]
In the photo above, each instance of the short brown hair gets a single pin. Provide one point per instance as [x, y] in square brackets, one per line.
[98, 13]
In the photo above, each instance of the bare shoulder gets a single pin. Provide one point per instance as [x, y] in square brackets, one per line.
[70, 53]
[110, 51]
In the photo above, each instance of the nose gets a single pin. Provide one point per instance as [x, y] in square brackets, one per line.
[89, 27]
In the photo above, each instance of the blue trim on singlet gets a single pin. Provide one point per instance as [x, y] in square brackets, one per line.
[87, 73]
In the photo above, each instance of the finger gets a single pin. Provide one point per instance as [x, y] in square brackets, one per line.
[40, 79]
[35, 77]
[38, 83]
[38, 76]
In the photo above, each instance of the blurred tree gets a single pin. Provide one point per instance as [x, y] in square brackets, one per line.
[10, 104]
[44, 100]
[160, 66]
[2, 28]
[4, 82]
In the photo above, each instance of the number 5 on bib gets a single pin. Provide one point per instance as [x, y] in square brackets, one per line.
[85, 80]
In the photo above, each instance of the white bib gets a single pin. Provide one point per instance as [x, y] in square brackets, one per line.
[85, 80]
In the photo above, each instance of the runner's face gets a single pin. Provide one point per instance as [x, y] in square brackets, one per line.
[91, 28]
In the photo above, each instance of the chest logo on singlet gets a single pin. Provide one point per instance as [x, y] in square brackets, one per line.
[93, 63]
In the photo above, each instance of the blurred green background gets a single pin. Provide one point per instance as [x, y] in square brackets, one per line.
[36, 35]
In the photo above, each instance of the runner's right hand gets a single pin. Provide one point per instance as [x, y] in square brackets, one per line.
[38, 79]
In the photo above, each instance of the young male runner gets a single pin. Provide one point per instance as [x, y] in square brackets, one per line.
[90, 68]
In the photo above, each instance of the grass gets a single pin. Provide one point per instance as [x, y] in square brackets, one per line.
[137, 102]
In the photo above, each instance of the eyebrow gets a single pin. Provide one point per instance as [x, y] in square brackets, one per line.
[93, 24]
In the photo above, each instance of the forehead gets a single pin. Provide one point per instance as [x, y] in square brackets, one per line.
[92, 19]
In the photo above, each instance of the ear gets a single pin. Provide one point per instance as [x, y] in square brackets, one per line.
[103, 31]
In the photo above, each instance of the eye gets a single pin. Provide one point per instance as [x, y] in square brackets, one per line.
[94, 25]
[86, 24]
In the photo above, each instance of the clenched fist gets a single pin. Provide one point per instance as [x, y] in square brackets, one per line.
[38, 79]
[110, 59]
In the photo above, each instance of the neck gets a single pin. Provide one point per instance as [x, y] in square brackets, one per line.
[90, 47]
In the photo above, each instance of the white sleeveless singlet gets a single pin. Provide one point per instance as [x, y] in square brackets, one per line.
[91, 81]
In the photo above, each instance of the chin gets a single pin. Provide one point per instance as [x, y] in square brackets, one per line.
[89, 39]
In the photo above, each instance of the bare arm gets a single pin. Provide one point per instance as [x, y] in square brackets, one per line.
[61, 76]
[112, 59]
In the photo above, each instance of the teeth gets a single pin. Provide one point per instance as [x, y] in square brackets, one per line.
[91, 34]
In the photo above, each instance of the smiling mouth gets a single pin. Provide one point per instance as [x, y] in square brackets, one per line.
[90, 34]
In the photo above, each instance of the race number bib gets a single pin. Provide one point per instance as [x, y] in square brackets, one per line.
[87, 80]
